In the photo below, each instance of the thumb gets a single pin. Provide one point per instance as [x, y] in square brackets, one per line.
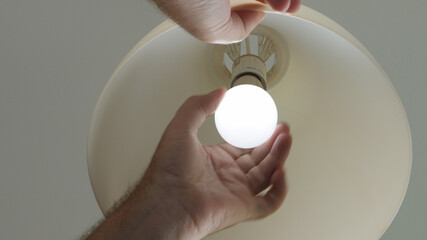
[240, 25]
[195, 110]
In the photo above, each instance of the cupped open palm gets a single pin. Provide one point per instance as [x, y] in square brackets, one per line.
[219, 185]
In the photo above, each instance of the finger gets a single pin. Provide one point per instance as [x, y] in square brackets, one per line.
[194, 111]
[269, 203]
[261, 152]
[239, 25]
[234, 152]
[279, 5]
[259, 176]
[245, 163]
[290, 6]
[294, 7]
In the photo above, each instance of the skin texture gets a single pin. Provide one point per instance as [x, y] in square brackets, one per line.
[214, 21]
[190, 191]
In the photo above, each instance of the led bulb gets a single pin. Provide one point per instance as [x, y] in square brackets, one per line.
[246, 117]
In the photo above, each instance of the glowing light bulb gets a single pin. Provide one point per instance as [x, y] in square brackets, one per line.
[246, 117]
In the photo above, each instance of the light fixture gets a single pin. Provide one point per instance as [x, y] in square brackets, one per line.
[349, 166]
[247, 116]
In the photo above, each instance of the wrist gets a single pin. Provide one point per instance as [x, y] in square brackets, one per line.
[158, 214]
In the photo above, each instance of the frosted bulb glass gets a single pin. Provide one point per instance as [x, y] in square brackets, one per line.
[246, 117]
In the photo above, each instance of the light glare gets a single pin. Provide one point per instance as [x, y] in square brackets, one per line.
[246, 117]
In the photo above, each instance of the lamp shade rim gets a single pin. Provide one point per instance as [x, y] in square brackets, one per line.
[305, 14]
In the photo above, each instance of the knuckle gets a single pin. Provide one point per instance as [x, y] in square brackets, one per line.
[190, 103]
[194, 103]
[191, 100]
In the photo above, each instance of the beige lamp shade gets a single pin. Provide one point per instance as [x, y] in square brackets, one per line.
[350, 163]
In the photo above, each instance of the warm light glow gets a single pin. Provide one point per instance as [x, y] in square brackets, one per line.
[246, 117]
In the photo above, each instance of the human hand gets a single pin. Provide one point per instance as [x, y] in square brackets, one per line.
[190, 190]
[214, 21]
[215, 186]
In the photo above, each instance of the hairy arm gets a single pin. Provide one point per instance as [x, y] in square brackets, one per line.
[146, 212]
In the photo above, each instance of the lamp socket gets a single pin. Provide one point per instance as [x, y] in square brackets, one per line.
[250, 69]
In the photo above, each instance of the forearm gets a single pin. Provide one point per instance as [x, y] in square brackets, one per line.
[147, 216]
